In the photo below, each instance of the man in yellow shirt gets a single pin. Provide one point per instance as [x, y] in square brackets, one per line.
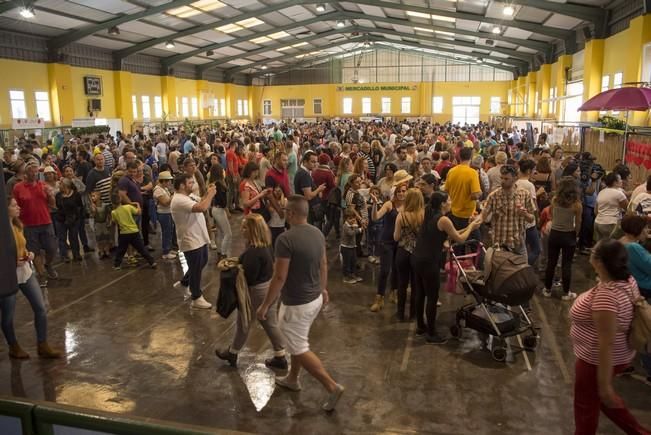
[129, 234]
[462, 184]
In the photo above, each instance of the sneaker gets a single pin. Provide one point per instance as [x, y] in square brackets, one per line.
[547, 293]
[277, 362]
[201, 303]
[168, 257]
[42, 283]
[131, 259]
[333, 398]
[52, 274]
[213, 246]
[439, 303]
[227, 355]
[153, 265]
[350, 280]
[358, 278]
[420, 332]
[435, 339]
[186, 291]
[117, 267]
[569, 296]
[283, 382]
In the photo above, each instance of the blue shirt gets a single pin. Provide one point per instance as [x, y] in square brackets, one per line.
[639, 263]
[188, 147]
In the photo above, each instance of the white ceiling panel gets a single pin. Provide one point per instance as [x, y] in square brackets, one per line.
[169, 21]
[247, 46]
[393, 37]
[110, 6]
[526, 50]
[241, 3]
[498, 54]
[240, 62]
[271, 54]
[193, 40]
[178, 48]
[145, 29]
[403, 29]
[473, 7]
[205, 18]
[505, 45]
[79, 10]
[229, 51]
[496, 10]
[110, 44]
[276, 19]
[256, 57]
[297, 13]
[7, 23]
[197, 60]
[562, 22]
[471, 26]
[534, 15]
[214, 36]
[420, 3]
[372, 10]
[513, 32]
[127, 36]
[157, 52]
[349, 6]
[48, 19]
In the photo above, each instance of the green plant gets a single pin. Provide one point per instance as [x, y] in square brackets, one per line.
[188, 126]
[612, 123]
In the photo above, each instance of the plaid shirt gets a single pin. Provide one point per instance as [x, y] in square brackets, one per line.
[508, 226]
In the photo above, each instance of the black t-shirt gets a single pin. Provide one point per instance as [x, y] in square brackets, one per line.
[220, 199]
[257, 264]
[302, 180]
[429, 244]
[83, 168]
[70, 208]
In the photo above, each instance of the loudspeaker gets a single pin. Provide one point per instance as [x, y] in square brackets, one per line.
[94, 105]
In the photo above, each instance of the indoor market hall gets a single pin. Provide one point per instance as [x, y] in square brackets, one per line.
[340, 217]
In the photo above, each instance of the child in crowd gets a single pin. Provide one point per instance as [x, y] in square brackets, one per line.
[277, 222]
[129, 235]
[349, 246]
[100, 213]
[374, 228]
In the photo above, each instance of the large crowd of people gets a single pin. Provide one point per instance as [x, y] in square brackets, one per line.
[392, 194]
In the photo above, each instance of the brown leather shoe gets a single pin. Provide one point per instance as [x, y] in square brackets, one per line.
[17, 352]
[45, 351]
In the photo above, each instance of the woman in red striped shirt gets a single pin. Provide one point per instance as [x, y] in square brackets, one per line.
[601, 319]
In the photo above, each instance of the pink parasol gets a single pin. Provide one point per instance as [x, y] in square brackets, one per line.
[627, 98]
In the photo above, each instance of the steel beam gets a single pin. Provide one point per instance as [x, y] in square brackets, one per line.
[524, 25]
[75, 35]
[191, 31]
[180, 57]
[582, 12]
[360, 38]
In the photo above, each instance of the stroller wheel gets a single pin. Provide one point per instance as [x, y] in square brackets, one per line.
[530, 342]
[499, 354]
[456, 331]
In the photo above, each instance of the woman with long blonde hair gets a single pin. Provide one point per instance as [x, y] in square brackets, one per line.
[257, 263]
[406, 231]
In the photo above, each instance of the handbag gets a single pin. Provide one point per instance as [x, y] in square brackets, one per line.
[639, 336]
[227, 298]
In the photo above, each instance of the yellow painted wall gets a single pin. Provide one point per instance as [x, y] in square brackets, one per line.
[22, 76]
[80, 100]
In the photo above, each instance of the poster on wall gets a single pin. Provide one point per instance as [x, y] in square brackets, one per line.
[27, 123]
[92, 85]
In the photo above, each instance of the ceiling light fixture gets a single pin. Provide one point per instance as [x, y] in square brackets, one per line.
[320, 7]
[210, 53]
[480, 60]
[170, 44]
[508, 11]
[341, 23]
[27, 12]
[496, 30]
[114, 30]
[367, 44]
[264, 67]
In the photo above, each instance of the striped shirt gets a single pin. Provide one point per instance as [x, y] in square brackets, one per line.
[109, 161]
[614, 296]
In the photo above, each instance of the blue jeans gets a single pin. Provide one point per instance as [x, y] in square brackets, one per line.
[373, 235]
[167, 229]
[34, 295]
[197, 260]
[587, 227]
[349, 257]
[533, 243]
[387, 267]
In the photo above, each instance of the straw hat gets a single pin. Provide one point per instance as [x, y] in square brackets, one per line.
[165, 175]
[401, 177]
[49, 170]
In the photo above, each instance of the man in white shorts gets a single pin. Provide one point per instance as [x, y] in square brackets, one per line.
[300, 277]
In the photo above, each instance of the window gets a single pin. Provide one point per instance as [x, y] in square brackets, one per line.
[437, 104]
[405, 105]
[552, 100]
[366, 105]
[465, 110]
[386, 105]
[245, 105]
[185, 108]
[573, 102]
[158, 107]
[266, 107]
[146, 109]
[348, 106]
[195, 107]
[617, 83]
[292, 109]
[495, 105]
[134, 106]
[18, 109]
[240, 110]
[215, 107]
[222, 106]
[177, 106]
[43, 105]
[318, 106]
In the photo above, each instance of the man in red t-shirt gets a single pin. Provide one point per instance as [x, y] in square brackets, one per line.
[35, 198]
[278, 175]
[232, 175]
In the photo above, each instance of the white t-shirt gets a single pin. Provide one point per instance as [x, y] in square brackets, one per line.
[529, 187]
[161, 192]
[608, 210]
[191, 230]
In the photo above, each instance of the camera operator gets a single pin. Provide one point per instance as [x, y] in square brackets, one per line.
[590, 175]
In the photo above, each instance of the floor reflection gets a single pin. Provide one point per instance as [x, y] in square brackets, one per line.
[261, 383]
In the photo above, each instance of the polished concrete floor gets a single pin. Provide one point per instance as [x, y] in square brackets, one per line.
[134, 347]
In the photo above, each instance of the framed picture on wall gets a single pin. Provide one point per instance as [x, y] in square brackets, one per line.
[93, 85]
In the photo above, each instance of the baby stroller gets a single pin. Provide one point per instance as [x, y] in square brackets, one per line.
[506, 283]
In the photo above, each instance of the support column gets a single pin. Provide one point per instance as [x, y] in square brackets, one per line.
[593, 68]
[202, 92]
[228, 95]
[544, 79]
[123, 103]
[168, 90]
[520, 89]
[531, 95]
[60, 84]
[639, 34]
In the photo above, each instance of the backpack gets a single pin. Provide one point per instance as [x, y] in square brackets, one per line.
[334, 197]
[639, 336]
